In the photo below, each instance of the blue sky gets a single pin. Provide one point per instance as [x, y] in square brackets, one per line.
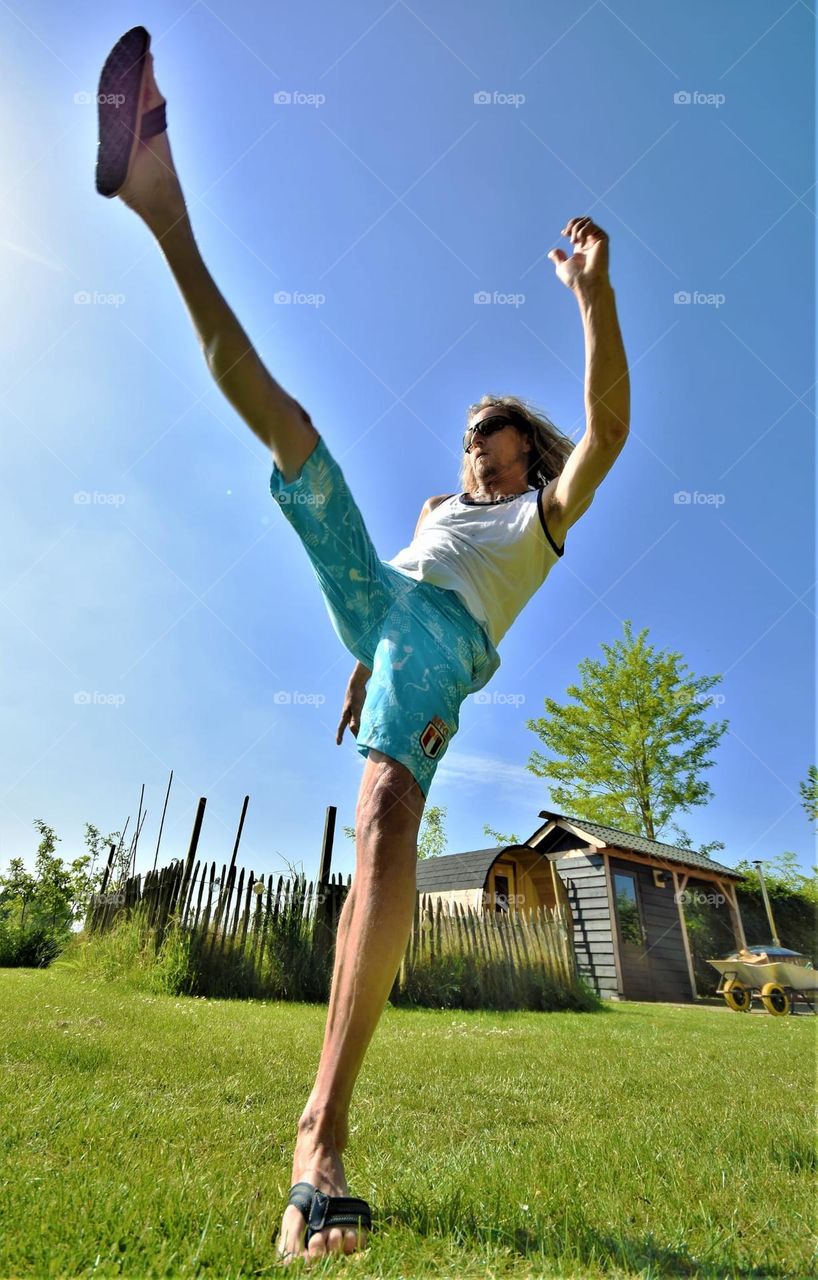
[177, 602]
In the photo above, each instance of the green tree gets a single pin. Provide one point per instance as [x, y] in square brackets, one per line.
[809, 793]
[56, 892]
[630, 750]
[499, 838]
[783, 874]
[89, 869]
[17, 888]
[53, 895]
[37, 911]
[432, 835]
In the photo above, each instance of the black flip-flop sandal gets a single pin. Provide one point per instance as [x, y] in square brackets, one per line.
[321, 1211]
[122, 121]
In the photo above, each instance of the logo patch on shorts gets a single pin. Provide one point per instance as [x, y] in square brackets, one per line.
[434, 736]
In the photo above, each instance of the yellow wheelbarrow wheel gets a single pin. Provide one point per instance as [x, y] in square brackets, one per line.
[775, 999]
[736, 995]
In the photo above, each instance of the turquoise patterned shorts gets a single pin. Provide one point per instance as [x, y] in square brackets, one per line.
[424, 648]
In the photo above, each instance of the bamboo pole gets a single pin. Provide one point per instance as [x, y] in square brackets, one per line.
[138, 829]
[162, 823]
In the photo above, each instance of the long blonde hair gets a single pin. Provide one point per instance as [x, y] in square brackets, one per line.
[550, 447]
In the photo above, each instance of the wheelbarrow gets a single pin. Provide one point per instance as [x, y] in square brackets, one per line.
[775, 975]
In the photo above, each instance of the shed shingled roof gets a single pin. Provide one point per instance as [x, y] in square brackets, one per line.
[460, 870]
[469, 870]
[640, 844]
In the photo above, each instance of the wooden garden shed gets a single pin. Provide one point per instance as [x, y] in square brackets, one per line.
[624, 894]
[516, 877]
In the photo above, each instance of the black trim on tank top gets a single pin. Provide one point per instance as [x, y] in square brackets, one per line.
[558, 550]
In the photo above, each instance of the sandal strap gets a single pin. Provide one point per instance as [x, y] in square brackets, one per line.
[336, 1211]
[301, 1194]
[154, 121]
[321, 1211]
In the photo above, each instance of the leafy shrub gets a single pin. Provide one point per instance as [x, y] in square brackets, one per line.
[30, 944]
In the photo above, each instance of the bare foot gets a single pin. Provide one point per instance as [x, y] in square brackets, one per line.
[152, 188]
[316, 1160]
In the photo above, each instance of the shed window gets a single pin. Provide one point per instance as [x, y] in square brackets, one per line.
[627, 908]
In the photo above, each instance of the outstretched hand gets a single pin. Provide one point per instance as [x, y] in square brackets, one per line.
[589, 262]
[351, 713]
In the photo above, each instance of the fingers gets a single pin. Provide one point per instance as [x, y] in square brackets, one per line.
[578, 230]
[349, 716]
[342, 725]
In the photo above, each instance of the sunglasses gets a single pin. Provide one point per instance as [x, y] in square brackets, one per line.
[488, 426]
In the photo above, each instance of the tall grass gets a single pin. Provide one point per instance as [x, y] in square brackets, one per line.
[456, 980]
[202, 962]
[282, 962]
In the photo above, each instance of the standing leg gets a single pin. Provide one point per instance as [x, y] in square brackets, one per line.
[372, 935]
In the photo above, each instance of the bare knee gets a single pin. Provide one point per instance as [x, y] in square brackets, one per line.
[390, 802]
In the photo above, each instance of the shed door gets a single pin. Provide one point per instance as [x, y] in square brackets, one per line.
[501, 890]
[633, 954]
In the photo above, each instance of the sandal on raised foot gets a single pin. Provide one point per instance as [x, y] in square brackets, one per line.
[122, 120]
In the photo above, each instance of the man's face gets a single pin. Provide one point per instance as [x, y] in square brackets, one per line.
[501, 452]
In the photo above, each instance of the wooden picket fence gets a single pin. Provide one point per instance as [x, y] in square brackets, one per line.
[491, 959]
[230, 909]
[227, 907]
[500, 954]
[277, 937]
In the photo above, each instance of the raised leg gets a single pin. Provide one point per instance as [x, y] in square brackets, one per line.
[372, 936]
[154, 192]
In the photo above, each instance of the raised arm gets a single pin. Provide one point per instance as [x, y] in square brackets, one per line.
[607, 383]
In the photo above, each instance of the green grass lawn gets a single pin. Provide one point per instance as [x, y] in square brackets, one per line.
[151, 1136]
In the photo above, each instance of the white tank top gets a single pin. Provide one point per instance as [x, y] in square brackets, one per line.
[493, 554]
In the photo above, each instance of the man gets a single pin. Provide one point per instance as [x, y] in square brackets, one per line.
[424, 626]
